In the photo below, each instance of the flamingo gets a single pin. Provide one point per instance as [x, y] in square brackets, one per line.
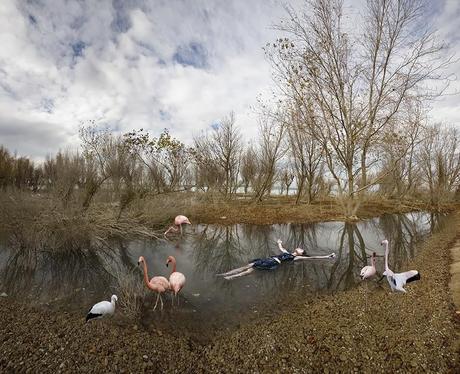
[398, 280]
[102, 309]
[369, 270]
[176, 279]
[157, 284]
[178, 222]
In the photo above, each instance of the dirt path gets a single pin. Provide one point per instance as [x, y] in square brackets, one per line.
[367, 329]
[454, 283]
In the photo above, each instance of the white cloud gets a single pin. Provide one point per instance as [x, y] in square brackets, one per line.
[132, 64]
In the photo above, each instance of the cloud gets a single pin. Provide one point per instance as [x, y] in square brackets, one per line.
[35, 139]
[136, 64]
[180, 65]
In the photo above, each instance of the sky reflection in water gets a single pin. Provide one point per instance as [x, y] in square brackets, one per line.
[80, 278]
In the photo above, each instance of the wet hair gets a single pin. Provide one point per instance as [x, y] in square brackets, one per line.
[301, 252]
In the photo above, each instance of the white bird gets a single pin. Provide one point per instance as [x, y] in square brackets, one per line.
[102, 309]
[369, 270]
[398, 280]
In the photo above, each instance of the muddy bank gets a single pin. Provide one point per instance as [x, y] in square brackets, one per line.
[367, 329]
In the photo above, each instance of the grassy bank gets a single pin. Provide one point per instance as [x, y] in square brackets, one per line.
[367, 329]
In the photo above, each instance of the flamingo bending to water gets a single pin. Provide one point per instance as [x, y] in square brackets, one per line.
[176, 279]
[102, 309]
[178, 222]
[157, 284]
[398, 280]
[369, 270]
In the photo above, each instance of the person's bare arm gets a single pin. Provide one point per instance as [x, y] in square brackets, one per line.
[280, 246]
[298, 258]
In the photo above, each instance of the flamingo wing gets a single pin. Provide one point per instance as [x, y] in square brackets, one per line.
[391, 280]
[160, 282]
[179, 220]
[408, 276]
[177, 281]
[367, 272]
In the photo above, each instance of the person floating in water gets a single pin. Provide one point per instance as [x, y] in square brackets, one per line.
[272, 262]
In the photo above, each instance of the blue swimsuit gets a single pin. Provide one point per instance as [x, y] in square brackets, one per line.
[271, 262]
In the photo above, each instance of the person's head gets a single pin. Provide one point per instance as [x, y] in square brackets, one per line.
[299, 252]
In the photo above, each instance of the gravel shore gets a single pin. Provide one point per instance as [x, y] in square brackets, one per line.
[367, 329]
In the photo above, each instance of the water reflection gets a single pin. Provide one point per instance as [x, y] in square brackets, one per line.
[78, 277]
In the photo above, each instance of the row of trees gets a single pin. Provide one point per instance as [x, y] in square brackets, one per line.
[350, 120]
[424, 162]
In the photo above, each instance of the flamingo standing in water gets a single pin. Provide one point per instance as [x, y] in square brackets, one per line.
[157, 284]
[178, 222]
[176, 279]
[369, 270]
[398, 280]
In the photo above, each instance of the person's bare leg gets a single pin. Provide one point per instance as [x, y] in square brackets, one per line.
[234, 271]
[246, 272]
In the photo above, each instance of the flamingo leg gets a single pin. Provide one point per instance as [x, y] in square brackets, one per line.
[161, 300]
[180, 230]
[168, 230]
[158, 296]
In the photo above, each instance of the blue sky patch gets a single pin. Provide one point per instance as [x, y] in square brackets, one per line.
[78, 48]
[164, 115]
[193, 54]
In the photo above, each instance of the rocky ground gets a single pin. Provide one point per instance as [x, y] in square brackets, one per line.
[367, 329]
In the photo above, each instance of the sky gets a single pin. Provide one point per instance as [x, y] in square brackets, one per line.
[131, 64]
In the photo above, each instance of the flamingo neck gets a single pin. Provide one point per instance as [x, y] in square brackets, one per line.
[386, 257]
[373, 261]
[146, 276]
[173, 266]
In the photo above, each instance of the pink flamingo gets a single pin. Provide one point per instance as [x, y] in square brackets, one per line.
[178, 222]
[157, 284]
[176, 279]
[369, 270]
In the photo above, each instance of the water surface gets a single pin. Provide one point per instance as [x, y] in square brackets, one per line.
[77, 279]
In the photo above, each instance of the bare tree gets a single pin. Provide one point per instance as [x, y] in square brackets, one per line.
[355, 82]
[307, 155]
[400, 169]
[287, 176]
[270, 152]
[249, 168]
[166, 158]
[440, 162]
[223, 147]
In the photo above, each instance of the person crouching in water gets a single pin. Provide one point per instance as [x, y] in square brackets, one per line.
[272, 262]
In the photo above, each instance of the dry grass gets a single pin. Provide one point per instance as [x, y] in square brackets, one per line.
[130, 291]
[282, 209]
[35, 222]
[39, 222]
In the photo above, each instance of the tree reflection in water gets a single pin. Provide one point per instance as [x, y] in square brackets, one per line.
[214, 249]
[47, 276]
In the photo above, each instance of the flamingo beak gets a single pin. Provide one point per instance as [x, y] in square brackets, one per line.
[167, 264]
[138, 263]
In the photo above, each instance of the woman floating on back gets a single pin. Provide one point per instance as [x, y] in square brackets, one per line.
[272, 262]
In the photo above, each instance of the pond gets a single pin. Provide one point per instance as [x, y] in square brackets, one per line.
[77, 279]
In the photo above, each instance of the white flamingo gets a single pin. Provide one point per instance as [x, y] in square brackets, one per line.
[398, 280]
[369, 270]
